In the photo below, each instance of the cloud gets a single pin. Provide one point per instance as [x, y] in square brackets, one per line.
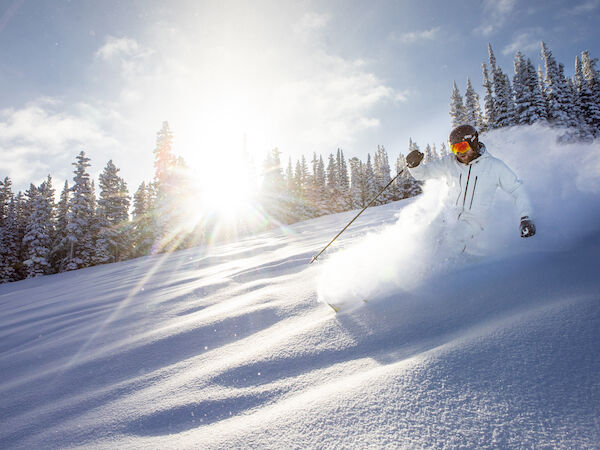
[526, 41]
[495, 13]
[585, 7]
[126, 52]
[35, 137]
[293, 93]
[309, 24]
[416, 36]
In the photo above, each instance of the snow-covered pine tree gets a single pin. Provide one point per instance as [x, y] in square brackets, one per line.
[5, 198]
[113, 216]
[273, 189]
[457, 108]
[343, 182]
[539, 109]
[505, 106]
[407, 185]
[333, 191]
[10, 243]
[428, 155]
[142, 221]
[381, 171]
[552, 89]
[39, 232]
[590, 112]
[434, 153]
[444, 151]
[321, 188]
[9, 239]
[489, 103]
[166, 185]
[60, 246]
[290, 181]
[81, 217]
[356, 183]
[369, 183]
[568, 103]
[472, 107]
[523, 93]
[592, 78]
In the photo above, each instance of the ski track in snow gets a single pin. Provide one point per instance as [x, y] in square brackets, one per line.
[231, 347]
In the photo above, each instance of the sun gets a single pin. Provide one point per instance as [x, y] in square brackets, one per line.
[225, 198]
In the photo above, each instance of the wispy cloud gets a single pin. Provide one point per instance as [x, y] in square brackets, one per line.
[125, 51]
[495, 13]
[32, 138]
[309, 24]
[416, 36]
[526, 41]
[585, 7]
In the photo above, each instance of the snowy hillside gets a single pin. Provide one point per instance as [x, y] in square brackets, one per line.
[232, 346]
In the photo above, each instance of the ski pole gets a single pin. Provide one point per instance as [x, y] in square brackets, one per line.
[355, 217]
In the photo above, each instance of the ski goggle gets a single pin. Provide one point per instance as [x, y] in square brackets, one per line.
[460, 147]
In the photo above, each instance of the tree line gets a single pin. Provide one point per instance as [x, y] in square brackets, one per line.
[89, 225]
[546, 96]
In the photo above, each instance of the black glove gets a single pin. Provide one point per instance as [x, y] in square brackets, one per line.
[414, 158]
[527, 227]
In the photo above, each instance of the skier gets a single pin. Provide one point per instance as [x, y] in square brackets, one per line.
[472, 175]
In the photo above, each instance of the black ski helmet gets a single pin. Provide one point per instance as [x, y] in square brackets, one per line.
[465, 133]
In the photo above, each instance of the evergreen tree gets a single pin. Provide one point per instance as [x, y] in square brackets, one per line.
[472, 108]
[489, 103]
[538, 108]
[273, 190]
[165, 204]
[9, 239]
[5, 198]
[523, 93]
[369, 183]
[590, 111]
[81, 217]
[457, 108]
[591, 79]
[10, 243]
[343, 182]
[113, 216]
[381, 171]
[142, 220]
[504, 108]
[39, 231]
[407, 186]
[357, 183]
[568, 103]
[321, 188]
[60, 245]
[333, 191]
[555, 97]
[444, 151]
[434, 153]
[289, 177]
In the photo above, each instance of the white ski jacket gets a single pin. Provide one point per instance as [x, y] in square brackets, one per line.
[473, 186]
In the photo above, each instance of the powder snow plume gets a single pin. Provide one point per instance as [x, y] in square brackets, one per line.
[399, 256]
[562, 180]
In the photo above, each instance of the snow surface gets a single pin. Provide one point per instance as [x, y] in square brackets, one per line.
[232, 346]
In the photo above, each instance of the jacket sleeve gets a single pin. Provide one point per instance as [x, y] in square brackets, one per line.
[433, 169]
[510, 183]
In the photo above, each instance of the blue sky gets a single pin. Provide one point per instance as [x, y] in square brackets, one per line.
[302, 76]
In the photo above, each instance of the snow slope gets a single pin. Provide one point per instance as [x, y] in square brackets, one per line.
[232, 346]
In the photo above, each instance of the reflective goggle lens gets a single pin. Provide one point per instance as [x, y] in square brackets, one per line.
[460, 147]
